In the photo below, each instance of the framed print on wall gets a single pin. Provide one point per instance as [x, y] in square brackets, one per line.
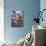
[17, 19]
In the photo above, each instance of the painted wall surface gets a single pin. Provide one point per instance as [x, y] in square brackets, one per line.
[1, 20]
[29, 7]
[43, 6]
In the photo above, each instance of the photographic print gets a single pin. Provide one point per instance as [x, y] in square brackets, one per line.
[17, 19]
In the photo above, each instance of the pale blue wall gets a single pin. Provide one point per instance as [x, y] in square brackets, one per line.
[43, 6]
[29, 7]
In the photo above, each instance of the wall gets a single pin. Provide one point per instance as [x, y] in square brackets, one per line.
[29, 7]
[1, 20]
[43, 6]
